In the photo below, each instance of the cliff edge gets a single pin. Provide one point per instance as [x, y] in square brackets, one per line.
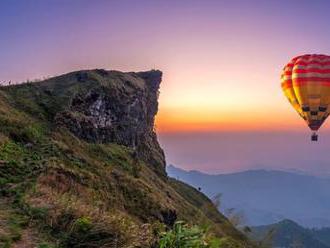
[80, 165]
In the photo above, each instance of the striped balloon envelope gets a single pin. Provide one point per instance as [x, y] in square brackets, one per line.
[305, 81]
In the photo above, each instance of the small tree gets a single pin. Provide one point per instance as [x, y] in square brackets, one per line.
[217, 200]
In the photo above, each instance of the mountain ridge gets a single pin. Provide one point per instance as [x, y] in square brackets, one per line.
[293, 172]
[259, 196]
[288, 233]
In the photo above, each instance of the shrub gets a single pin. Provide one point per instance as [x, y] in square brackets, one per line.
[82, 224]
[228, 242]
[86, 234]
[184, 236]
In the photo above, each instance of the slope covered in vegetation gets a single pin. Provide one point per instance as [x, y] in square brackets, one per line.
[287, 234]
[80, 165]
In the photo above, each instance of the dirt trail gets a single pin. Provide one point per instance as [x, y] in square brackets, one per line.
[28, 238]
[5, 212]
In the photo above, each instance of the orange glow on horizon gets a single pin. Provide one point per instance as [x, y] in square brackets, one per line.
[203, 120]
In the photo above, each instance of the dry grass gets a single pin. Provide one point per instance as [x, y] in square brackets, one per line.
[82, 194]
[66, 201]
[29, 239]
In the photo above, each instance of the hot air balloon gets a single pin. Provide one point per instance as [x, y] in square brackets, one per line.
[305, 81]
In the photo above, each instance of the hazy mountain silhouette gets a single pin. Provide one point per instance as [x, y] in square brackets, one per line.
[266, 197]
[288, 234]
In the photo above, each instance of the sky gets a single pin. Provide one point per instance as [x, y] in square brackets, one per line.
[221, 61]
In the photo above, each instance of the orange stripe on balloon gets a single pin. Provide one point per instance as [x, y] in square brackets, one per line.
[302, 83]
[287, 85]
[311, 79]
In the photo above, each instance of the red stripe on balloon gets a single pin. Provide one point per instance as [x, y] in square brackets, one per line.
[311, 62]
[308, 70]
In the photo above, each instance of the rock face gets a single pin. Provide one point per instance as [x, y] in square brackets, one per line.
[107, 107]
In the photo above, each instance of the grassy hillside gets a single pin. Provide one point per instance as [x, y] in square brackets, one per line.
[78, 168]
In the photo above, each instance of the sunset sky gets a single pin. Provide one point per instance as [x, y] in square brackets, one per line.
[221, 59]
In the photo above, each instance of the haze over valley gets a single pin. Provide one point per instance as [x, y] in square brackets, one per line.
[264, 197]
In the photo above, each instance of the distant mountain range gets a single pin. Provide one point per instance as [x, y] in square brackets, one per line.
[288, 234]
[266, 197]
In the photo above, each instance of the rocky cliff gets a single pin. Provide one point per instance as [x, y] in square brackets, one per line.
[80, 165]
[101, 106]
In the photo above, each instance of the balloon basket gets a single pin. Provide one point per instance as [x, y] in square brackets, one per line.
[314, 137]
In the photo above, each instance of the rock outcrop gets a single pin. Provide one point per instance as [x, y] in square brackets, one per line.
[106, 107]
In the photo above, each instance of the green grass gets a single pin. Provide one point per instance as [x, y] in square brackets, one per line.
[184, 236]
[83, 194]
[102, 173]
